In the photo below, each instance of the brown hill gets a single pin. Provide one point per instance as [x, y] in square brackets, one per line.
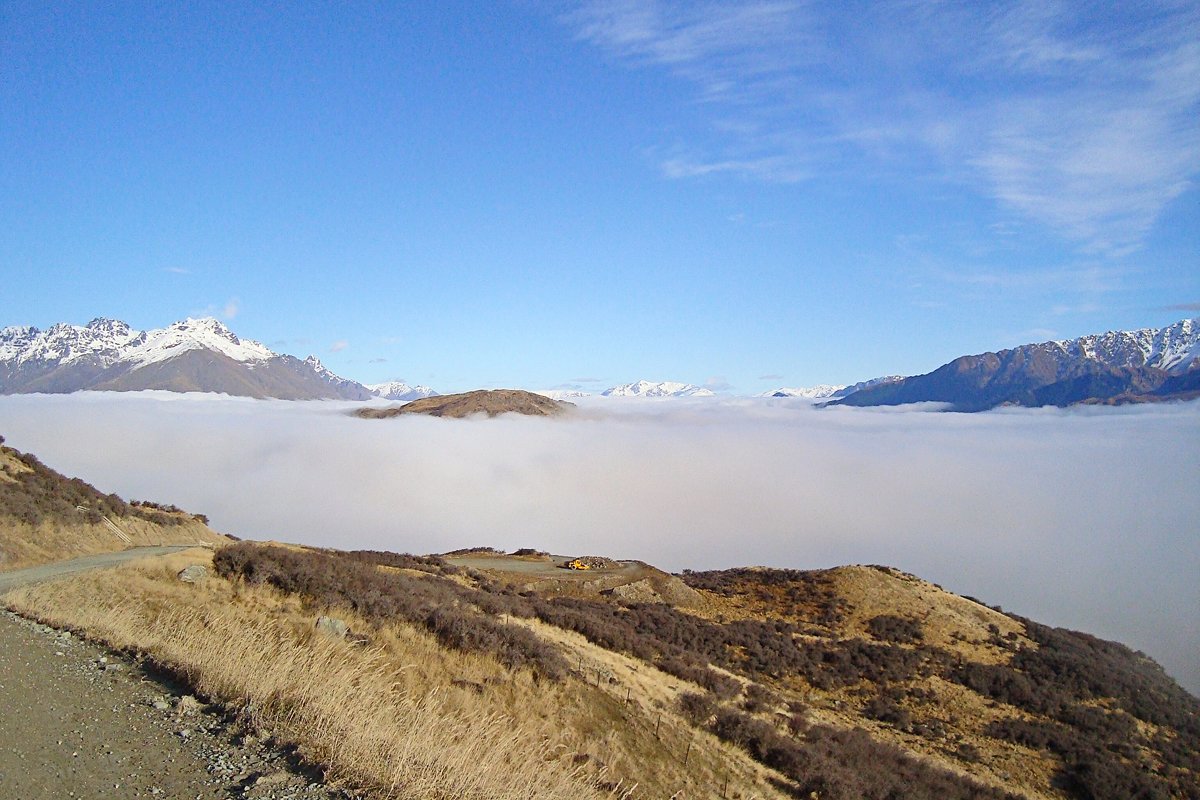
[483, 401]
[45, 516]
[856, 682]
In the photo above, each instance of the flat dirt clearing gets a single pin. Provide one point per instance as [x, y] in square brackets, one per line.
[547, 567]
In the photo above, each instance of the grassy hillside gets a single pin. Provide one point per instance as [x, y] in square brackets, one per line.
[484, 675]
[858, 682]
[45, 516]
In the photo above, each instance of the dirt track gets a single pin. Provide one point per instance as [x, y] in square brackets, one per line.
[77, 720]
[57, 569]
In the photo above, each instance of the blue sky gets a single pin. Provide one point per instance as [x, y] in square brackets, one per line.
[549, 194]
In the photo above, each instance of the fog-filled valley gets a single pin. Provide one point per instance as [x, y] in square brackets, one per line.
[1084, 518]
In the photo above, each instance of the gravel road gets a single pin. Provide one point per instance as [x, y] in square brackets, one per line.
[57, 569]
[80, 721]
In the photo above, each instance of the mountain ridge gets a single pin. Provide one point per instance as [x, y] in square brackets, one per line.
[203, 355]
[191, 355]
[1144, 365]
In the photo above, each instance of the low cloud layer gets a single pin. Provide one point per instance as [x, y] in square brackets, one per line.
[1086, 519]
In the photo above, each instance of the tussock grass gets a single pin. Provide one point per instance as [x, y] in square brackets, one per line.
[352, 708]
[402, 716]
[26, 545]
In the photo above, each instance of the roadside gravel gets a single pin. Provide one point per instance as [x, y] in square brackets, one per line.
[79, 721]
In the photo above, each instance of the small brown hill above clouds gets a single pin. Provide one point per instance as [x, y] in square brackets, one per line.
[483, 401]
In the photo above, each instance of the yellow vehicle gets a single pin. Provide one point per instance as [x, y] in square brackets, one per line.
[577, 564]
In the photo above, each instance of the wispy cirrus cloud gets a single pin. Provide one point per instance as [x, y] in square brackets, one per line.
[1079, 118]
[228, 311]
[1091, 279]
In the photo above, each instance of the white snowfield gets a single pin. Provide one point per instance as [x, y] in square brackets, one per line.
[660, 389]
[819, 392]
[399, 390]
[197, 334]
[1172, 348]
[112, 341]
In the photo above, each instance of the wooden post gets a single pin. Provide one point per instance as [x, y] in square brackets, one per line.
[628, 692]
[688, 753]
[725, 786]
[657, 723]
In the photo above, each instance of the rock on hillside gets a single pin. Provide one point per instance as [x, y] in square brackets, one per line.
[491, 402]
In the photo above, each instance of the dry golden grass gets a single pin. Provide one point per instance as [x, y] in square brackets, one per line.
[27, 545]
[401, 715]
[11, 466]
[947, 620]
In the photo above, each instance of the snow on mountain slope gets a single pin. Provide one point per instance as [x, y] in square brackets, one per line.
[399, 390]
[196, 334]
[1173, 348]
[819, 392]
[660, 389]
[562, 394]
[1147, 365]
[193, 355]
[103, 340]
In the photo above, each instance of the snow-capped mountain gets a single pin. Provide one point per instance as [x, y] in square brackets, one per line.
[827, 391]
[661, 389]
[562, 394]
[193, 355]
[1173, 349]
[194, 334]
[399, 390]
[1118, 366]
[821, 392]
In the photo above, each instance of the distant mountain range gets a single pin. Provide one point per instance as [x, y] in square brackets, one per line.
[1146, 365]
[661, 389]
[194, 355]
[399, 390]
[826, 391]
[652, 389]
[202, 355]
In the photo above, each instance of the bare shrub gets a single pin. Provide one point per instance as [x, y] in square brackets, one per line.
[891, 628]
[351, 582]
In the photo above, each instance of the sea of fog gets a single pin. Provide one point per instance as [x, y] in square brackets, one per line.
[1088, 518]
